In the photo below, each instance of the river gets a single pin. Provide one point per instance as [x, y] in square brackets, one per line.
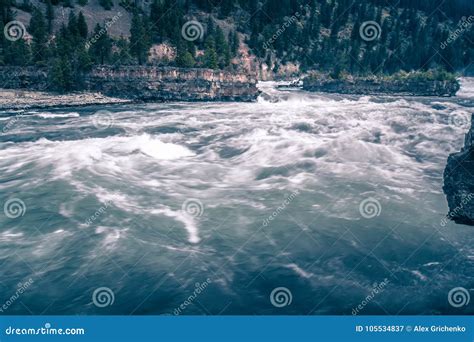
[300, 203]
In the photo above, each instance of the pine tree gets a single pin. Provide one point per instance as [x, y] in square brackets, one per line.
[101, 49]
[49, 15]
[61, 77]
[121, 55]
[210, 55]
[72, 26]
[16, 53]
[106, 4]
[235, 43]
[38, 29]
[184, 59]
[139, 38]
[82, 26]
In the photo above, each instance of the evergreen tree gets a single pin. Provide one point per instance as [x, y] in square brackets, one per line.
[61, 77]
[38, 29]
[121, 55]
[139, 38]
[49, 15]
[82, 26]
[16, 53]
[210, 55]
[106, 4]
[235, 43]
[184, 59]
[101, 49]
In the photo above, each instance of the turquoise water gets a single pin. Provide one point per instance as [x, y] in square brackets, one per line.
[325, 196]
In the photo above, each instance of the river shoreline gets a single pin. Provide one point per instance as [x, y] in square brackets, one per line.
[412, 84]
[141, 84]
[14, 99]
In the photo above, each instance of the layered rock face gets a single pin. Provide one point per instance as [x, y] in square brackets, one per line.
[173, 84]
[147, 83]
[459, 182]
[23, 78]
[381, 87]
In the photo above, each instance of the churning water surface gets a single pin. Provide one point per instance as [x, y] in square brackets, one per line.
[326, 196]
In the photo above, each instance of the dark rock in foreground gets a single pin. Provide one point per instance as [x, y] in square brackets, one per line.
[459, 182]
[382, 86]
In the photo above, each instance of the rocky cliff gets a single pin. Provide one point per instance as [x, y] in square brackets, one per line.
[459, 182]
[173, 84]
[382, 87]
[147, 83]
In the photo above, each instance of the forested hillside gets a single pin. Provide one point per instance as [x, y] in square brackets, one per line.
[276, 37]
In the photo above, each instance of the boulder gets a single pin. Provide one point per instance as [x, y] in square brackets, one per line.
[459, 182]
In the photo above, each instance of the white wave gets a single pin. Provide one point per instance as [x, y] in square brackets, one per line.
[109, 154]
[111, 236]
[467, 87]
[160, 150]
[9, 236]
[188, 221]
[57, 115]
[298, 270]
